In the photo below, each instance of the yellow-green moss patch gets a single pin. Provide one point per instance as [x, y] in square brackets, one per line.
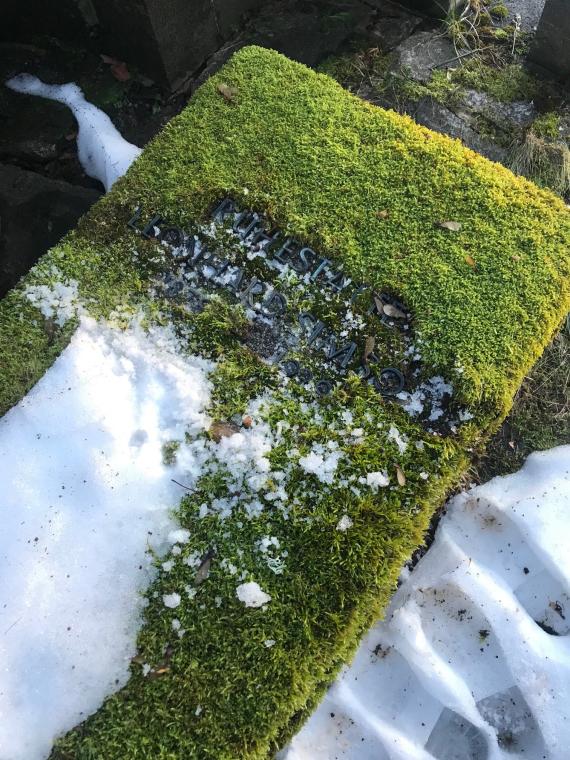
[376, 194]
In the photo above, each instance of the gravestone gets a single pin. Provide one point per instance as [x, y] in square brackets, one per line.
[550, 48]
[371, 295]
[168, 40]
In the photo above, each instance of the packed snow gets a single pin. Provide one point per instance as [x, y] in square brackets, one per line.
[103, 152]
[472, 661]
[252, 595]
[84, 495]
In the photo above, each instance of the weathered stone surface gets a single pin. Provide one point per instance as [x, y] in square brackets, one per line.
[35, 212]
[308, 32]
[509, 115]
[421, 53]
[393, 26]
[551, 47]
[528, 11]
[436, 8]
[436, 116]
[168, 39]
[20, 138]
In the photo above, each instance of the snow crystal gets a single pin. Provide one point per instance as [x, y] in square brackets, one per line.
[344, 523]
[320, 464]
[171, 600]
[179, 536]
[103, 153]
[252, 595]
[400, 440]
[58, 301]
[377, 480]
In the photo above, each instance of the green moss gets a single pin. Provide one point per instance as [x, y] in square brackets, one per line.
[499, 11]
[440, 87]
[486, 299]
[547, 125]
[507, 84]
[169, 451]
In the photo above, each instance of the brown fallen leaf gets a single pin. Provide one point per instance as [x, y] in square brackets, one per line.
[203, 571]
[384, 214]
[229, 93]
[514, 257]
[400, 477]
[118, 68]
[392, 311]
[379, 304]
[368, 347]
[219, 430]
[471, 261]
[453, 226]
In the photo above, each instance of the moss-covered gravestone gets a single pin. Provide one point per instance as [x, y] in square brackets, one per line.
[372, 295]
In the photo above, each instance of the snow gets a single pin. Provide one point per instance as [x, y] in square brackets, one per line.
[319, 463]
[460, 669]
[344, 523]
[377, 480]
[103, 152]
[84, 494]
[252, 595]
[171, 600]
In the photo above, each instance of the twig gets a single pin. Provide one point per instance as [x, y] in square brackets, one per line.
[460, 56]
[181, 485]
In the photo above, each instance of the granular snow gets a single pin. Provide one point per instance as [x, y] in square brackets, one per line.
[252, 595]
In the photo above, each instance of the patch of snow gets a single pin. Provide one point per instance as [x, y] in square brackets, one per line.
[80, 505]
[320, 463]
[172, 600]
[398, 438]
[103, 152]
[252, 595]
[377, 480]
[58, 301]
[472, 660]
[344, 523]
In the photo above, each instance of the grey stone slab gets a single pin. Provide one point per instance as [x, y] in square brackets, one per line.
[436, 116]
[551, 48]
[393, 25]
[421, 53]
[528, 10]
[168, 39]
[35, 212]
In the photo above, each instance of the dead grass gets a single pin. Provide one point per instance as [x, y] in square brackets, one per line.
[545, 162]
[540, 417]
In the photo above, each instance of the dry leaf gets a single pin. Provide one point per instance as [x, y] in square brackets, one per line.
[118, 68]
[514, 257]
[247, 422]
[453, 226]
[204, 570]
[379, 304]
[219, 430]
[393, 311]
[401, 478]
[229, 93]
[384, 214]
[368, 347]
[471, 261]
